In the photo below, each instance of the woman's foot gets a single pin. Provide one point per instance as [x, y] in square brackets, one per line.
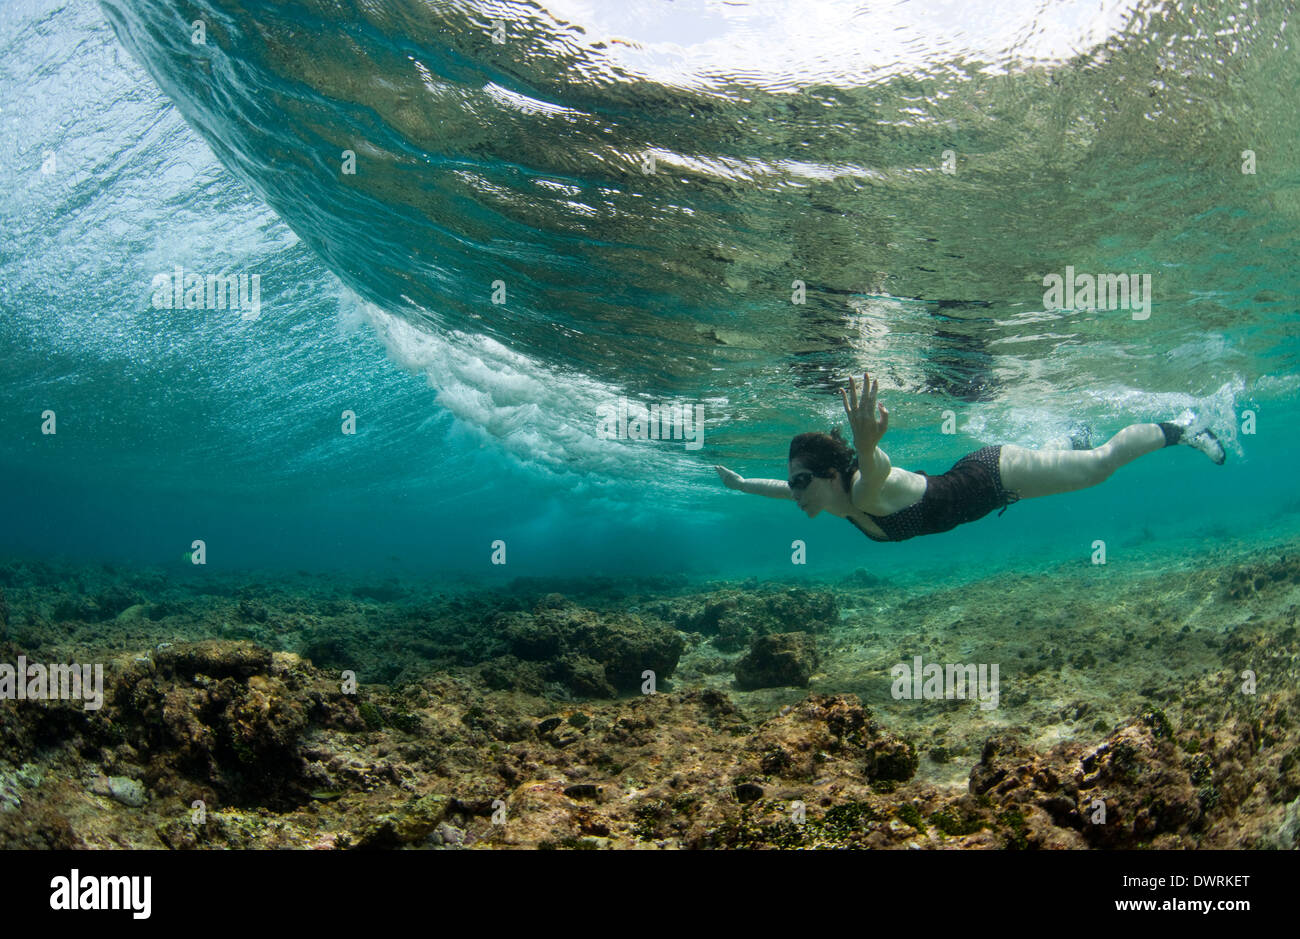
[1187, 428]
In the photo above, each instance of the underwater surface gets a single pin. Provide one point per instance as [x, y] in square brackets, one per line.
[315, 317]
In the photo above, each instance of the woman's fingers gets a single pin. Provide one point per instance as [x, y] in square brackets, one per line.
[852, 407]
[870, 390]
[866, 407]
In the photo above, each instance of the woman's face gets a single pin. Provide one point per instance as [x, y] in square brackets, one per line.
[812, 493]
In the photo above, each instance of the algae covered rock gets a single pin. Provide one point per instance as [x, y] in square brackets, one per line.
[410, 823]
[215, 658]
[592, 654]
[531, 639]
[1131, 790]
[827, 735]
[778, 660]
[223, 714]
[510, 673]
[583, 677]
[733, 617]
[264, 721]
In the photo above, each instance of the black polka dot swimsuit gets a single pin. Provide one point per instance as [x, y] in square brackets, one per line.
[968, 491]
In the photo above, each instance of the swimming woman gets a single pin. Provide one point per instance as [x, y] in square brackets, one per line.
[889, 503]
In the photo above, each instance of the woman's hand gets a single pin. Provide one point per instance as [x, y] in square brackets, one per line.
[732, 480]
[867, 429]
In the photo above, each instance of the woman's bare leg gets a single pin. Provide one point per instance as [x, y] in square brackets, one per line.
[1034, 473]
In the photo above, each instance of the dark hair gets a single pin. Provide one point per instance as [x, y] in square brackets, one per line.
[822, 453]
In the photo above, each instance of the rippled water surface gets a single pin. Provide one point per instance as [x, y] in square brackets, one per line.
[732, 205]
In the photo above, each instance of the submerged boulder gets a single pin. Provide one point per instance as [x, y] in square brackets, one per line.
[592, 654]
[733, 617]
[778, 660]
[1135, 789]
[828, 735]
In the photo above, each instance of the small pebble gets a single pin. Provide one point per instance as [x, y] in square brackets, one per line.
[127, 791]
[446, 834]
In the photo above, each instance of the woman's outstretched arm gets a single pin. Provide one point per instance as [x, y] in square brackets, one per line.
[772, 488]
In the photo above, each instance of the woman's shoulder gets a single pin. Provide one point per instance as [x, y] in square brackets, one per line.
[902, 488]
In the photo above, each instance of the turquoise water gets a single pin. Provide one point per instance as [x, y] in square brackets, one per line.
[346, 293]
[1106, 139]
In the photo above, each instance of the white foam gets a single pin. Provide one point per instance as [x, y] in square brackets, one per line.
[1021, 418]
[544, 416]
